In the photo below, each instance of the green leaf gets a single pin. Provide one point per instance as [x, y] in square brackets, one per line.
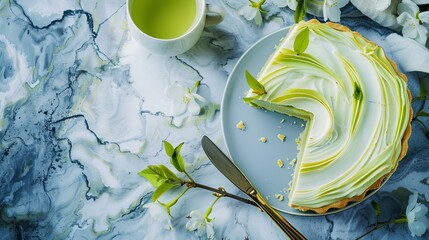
[422, 113]
[300, 10]
[256, 86]
[161, 190]
[423, 92]
[358, 92]
[164, 171]
[401, 220]
[376, 208]
[168, 148]
[177, 160]
[209, 110]
[155, 179]
[197, 83]
[181, 162]
[301, 41]
[178, 148]
[207, 214]
[158, 175]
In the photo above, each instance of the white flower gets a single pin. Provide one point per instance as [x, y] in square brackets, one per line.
[410, 55]
[382, 5]
[381, 11]
[201, 224]
[331, 9]
[411, 20]
[183, 99]
[421, 1]
[160, 214]
[252, 11]
[418, 223]
[283, 3]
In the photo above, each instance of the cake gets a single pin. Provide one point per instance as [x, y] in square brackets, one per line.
[357, 106]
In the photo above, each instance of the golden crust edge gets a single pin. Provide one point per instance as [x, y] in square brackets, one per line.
[404, 146]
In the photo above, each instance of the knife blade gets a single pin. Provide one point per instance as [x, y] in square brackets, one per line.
[224, 165]
[230, 171]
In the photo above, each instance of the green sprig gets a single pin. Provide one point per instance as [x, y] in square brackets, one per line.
[160, 174]
[300, 10]
[423, 92]
[357, 95]
[196, 85]
[174, 201]
[176, 158]
[163, 179]
[377, 210]
[254, 84]
[258, 5]
[420, 112]
[210, 209]
[301, 41]
[377, 225]
[161, 190]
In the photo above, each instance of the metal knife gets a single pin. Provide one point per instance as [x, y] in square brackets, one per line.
[227, 168]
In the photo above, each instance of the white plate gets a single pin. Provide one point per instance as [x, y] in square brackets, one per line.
[257, 160]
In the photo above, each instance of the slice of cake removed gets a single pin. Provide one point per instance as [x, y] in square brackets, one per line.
[358, 109]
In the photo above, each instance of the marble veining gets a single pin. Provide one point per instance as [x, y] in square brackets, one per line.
[82, 111]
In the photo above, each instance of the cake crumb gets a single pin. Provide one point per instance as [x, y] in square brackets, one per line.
[240, 125]
[292, 162]
[289, 186]
[280, 163]
[284, 190]
[302, 125]
[281, 137]
[279, 197]
[294, 122]
[298, 140]
[282, 121]
[263, 139]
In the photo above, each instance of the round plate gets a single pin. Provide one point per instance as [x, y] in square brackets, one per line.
[257, 160]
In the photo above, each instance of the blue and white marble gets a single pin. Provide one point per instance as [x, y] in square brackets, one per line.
[82, 111]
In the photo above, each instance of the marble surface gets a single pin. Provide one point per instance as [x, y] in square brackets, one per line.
[82, 111]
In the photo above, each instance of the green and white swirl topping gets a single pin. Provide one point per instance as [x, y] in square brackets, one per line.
[356, 103]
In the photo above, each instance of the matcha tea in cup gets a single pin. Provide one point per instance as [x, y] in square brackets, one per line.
[170, 27]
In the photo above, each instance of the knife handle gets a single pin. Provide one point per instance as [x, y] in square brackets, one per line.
[290, 231]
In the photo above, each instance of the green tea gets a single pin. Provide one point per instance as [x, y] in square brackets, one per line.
[165, 19]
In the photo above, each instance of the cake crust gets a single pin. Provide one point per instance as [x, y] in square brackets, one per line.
[404, 143]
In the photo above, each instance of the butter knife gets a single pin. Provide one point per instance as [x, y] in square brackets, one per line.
[227, 168]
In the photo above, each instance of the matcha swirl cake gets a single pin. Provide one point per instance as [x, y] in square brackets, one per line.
[357, 107]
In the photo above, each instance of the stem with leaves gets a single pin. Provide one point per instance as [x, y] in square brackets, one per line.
[300, 10]
[221, 191]
[163, 179]
[209, 210]
[258, 5]
[382, 224]
[420, 113]
[377, 224]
